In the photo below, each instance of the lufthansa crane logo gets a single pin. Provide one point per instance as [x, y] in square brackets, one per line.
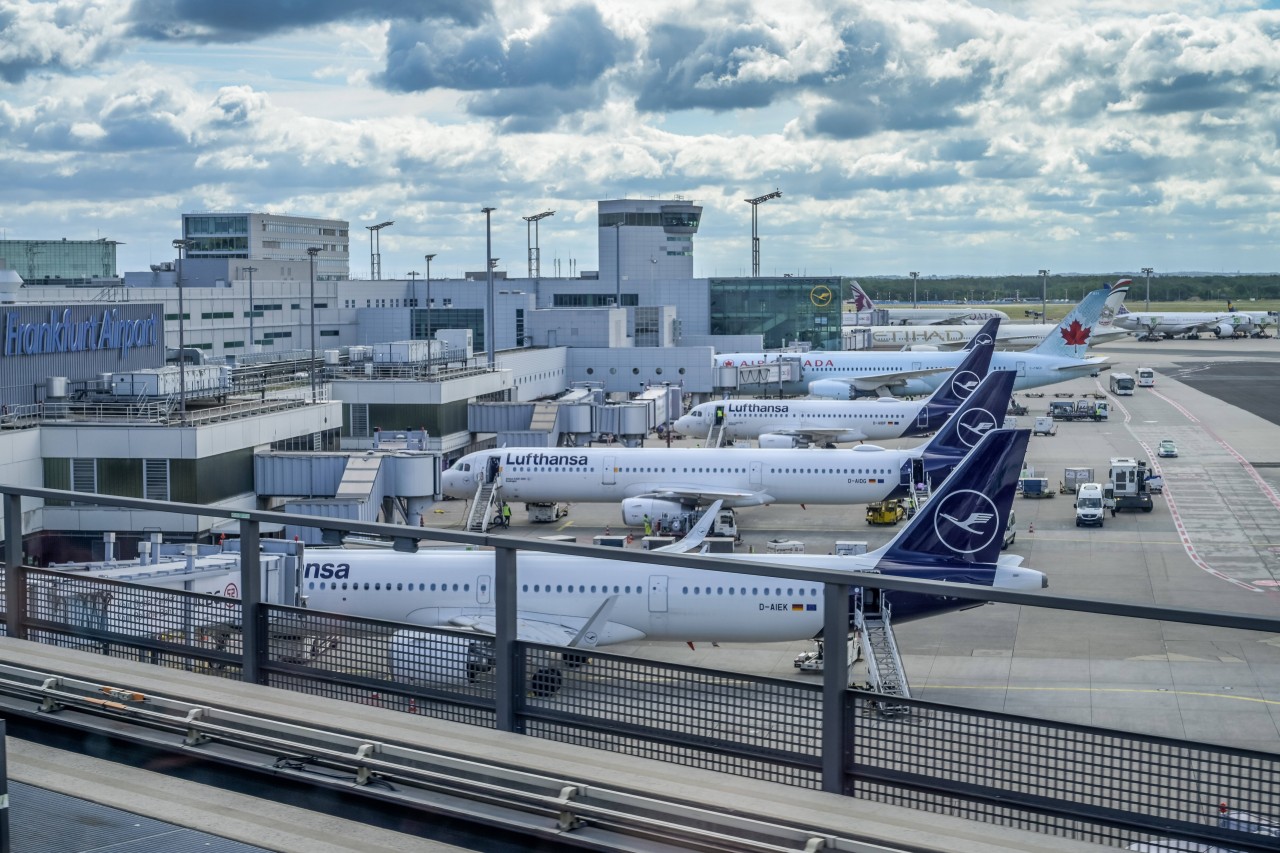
[821, 296]
[982, 340]
[963, 383]
[973, 425]
[966, 521]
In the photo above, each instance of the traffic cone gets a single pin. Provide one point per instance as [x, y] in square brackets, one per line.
[1031, 528]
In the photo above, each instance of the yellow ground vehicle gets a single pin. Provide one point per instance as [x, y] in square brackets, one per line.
[886, 512]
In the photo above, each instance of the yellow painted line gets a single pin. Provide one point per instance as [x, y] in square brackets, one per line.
[1103, 690]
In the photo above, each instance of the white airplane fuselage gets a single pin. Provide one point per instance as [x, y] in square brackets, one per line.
[957, 314]
[652, 602]
[835, 420]
[1032, 370]
[1023, 335]
[753, 477]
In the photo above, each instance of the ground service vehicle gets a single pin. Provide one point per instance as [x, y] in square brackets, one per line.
[886, 512]
[1044, 425]
[1146, 377]
[1036, 487]
[1079, 410]
[1122, 384]
[1128, 487]
[1009, 533]
[1167, 449]
[1089, 505]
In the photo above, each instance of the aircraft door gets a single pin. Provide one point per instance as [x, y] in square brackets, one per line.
[719, 415]
[657, 593]
[757, 473]
[922, 418]
[1020, 367]
[484, 587]
[608, 469]
[492, 467]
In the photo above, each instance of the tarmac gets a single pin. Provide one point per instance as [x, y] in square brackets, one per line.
[1212, 543]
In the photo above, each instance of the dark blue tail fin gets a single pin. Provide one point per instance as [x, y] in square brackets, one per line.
[985, 335]
[965, 519]
[960, 385]
[976, 416]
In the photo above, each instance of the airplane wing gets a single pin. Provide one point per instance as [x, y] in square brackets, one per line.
[701, 493]
[884, 383]
[824, 434]
[697, 534]
[553, 629]
[1083, 363]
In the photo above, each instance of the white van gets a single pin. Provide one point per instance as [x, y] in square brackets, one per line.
[1089, 505]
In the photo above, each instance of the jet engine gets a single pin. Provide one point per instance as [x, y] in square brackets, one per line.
[1229, 328]
[832, 388]
[442, 659]
[635, 509]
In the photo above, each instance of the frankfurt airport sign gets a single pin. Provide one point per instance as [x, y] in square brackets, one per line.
[70, 330]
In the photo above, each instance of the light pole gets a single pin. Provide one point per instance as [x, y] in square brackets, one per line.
[755, 235]
[312, 252]
[488, 266]
[535, 253]
[430, 333]
[915, 303]
[181, 245]
[253, 341]
[1148, 271]
[375, 249]
[1044, 290]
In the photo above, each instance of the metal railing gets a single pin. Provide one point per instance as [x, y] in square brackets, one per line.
[1087, 782]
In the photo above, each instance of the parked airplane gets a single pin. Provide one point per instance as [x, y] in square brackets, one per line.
[786, 423]
[1009, 336]
[923, 316]
[845, 375]
[666, 482]
[1167, 324]
[582, 603]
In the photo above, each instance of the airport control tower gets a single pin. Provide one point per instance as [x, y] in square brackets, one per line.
[653, 238]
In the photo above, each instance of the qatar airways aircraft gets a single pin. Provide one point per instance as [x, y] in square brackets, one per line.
[665, 482]
[846, 375]
[582, 603]
[787, 423]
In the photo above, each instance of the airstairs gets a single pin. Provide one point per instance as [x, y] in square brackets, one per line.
[716, 435]
[482, 507]
[884, 665]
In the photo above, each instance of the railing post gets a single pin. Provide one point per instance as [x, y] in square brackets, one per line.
[15, 579]
[508, 682]
[252, 613]
[836, 739]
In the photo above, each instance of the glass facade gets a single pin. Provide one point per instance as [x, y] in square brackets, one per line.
[449, 318]
[44, 261]
[782, 309]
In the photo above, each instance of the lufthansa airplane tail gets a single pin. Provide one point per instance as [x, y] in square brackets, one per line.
[1071, 339]
[960, 385]
[958, 534]
[982, 412]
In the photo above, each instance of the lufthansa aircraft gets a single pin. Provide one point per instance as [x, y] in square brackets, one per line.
[664, 482]
[785, 423]
[845, 375]
[578, 602]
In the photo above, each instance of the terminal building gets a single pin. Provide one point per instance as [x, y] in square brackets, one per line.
[292, 368]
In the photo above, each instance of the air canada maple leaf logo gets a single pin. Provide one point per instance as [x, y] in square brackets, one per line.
[1076, 335]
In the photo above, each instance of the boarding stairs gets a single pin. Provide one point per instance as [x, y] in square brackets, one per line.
[885, 672]
[716, 435]
[919, 497]
[481, 515]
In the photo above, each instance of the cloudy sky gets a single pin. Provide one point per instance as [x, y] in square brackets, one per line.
[941, 136]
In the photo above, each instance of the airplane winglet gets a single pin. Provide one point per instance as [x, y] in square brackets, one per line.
[589, 636]
[696, 535]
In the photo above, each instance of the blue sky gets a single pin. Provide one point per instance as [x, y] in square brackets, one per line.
[946, 137]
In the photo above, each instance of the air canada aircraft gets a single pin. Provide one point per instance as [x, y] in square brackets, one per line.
[665, 482]
[787, 423]
[845, 375]
[582, 603]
